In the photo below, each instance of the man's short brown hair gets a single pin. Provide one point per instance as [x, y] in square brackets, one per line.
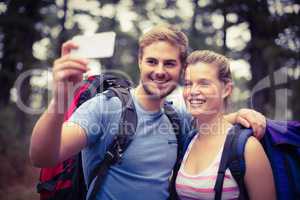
[165, 33]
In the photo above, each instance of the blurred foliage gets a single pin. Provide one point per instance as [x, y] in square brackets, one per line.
[32, 31]
[265, 33]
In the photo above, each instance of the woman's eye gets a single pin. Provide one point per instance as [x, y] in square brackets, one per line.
[204, 83]
[187, 84]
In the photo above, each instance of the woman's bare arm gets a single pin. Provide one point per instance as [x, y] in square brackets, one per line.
[258, 178]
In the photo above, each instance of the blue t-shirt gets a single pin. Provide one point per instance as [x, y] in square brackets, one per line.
[148, 161]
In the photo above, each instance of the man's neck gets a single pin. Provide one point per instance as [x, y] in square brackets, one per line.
[148, 102]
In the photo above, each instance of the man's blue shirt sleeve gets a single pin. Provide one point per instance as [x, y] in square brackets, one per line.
[94, 116]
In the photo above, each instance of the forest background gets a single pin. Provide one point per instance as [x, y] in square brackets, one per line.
[261, 37]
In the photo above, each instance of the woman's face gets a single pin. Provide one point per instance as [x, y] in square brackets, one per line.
[204, 93]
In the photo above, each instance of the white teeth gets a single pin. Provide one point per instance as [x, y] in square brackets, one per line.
[197, 101]
[160, 82]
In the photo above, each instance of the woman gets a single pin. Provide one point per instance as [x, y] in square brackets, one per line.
[208, 84]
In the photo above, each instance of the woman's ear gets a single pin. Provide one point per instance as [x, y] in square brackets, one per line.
[228, 88]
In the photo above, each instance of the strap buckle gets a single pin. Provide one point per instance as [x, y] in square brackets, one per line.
[114, 153]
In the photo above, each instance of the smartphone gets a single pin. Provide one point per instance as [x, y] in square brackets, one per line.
[99, 45]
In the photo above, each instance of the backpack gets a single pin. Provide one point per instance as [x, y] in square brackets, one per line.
[65, 181]
[281, 143]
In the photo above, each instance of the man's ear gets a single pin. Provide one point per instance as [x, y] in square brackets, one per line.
[228, 88]
[140, 62]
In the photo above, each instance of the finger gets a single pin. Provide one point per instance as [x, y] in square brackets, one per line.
[70, 65]
[67, 47]
[260, 131]
[254, 127]
[70, 58]
[69, 75]
[243, 122]
[259, 124]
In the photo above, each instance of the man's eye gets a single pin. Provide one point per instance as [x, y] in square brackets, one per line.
[170, 64]
[151, 62]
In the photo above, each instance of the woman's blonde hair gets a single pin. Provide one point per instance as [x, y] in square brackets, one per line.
[209, 57]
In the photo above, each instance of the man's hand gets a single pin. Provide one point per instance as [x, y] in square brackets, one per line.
[249, 118]
[67, 72]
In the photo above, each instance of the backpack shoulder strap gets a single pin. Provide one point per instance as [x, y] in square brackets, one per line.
[233, 158]
[128, 122]
[223, 164]
[237, 163]
[173, 116]
[127, 128]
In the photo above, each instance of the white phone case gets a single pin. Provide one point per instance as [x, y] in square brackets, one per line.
[100, 45]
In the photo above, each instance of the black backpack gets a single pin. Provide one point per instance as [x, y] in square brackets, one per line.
[65, 181]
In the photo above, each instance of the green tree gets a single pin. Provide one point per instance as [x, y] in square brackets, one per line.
[274, 30]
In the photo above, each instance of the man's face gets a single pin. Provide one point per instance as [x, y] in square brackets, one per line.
[160, 68]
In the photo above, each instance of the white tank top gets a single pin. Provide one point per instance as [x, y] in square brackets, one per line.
[201, 186]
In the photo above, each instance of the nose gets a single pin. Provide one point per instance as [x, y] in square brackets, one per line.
[160, 72]
[194, 90]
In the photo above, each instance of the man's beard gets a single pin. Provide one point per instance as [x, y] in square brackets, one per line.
[162, 93]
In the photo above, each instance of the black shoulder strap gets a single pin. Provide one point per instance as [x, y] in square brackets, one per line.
[233, 158]
[99, 83]
[127, 128]
[79, 189]
[223, 164]
[175, 121]
[128, 122]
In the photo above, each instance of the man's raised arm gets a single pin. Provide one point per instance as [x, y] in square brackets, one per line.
[53, 140]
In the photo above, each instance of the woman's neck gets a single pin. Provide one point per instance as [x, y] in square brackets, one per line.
[215, 126]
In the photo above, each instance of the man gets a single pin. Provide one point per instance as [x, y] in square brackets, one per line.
[148, 161]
